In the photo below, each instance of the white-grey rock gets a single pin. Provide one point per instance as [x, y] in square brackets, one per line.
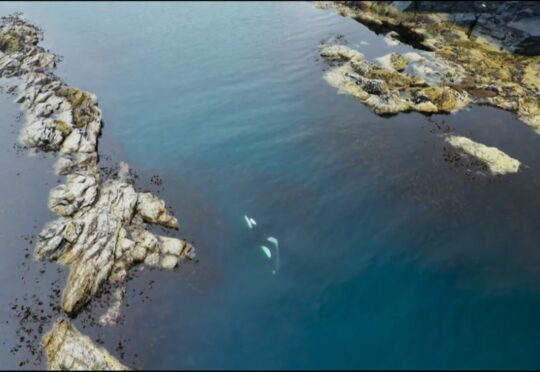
[152, 260]
[79, 192]
[153, 210]
[169, 262]
[171, 246]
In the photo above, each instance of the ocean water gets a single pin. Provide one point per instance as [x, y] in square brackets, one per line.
[390, 257]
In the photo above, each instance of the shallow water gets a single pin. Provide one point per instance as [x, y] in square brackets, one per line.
[390, 256]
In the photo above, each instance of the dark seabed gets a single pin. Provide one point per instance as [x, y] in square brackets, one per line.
[391, 256]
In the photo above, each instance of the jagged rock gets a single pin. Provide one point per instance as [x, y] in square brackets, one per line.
[171, 246]
[76, 162]
[444, 98]
[56, 237]
[453, 71]
[109, 238]
[514, 25]
[388, 91]
[188, 252]
[146, 239]
[153, 210]
[394, 61]
[101, 232]
[43, 134]
[67, 349]
[79, 192]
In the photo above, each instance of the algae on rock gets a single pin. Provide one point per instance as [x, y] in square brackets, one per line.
[386, 90]
[467, 69]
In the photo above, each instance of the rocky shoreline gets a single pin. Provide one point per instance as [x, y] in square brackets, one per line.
[452, 69]
[511, 24]
[101, 231]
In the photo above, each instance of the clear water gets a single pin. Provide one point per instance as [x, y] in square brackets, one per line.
[390, 257]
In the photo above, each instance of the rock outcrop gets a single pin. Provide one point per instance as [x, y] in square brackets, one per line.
[104, 240]
[452, 70]
[497, 161]
[388, 91]
[102, 227]
[514, 25]
[68, 350]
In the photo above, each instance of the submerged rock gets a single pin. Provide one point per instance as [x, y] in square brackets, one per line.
[498, 162]
[113, 312]
[67, 349]
[78, 193]
[152, 209]
[340, 52]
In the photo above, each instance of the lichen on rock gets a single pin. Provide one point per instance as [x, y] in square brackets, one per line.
[340, 52]
[386, 90]
[394, 61]
[460, 69]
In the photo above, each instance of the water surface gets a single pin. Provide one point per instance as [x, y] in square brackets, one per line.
[390, 257]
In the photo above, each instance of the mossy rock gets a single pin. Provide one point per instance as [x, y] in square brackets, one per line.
[76, 97]
[398, 61]
[81, 103]
[475, 64]
[63, 127]
[442, 97]
[396, 79]
[10, 42]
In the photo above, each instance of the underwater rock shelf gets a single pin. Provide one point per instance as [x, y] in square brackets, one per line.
[101, 230]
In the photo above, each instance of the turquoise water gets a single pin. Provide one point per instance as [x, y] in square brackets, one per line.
[390, 257]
